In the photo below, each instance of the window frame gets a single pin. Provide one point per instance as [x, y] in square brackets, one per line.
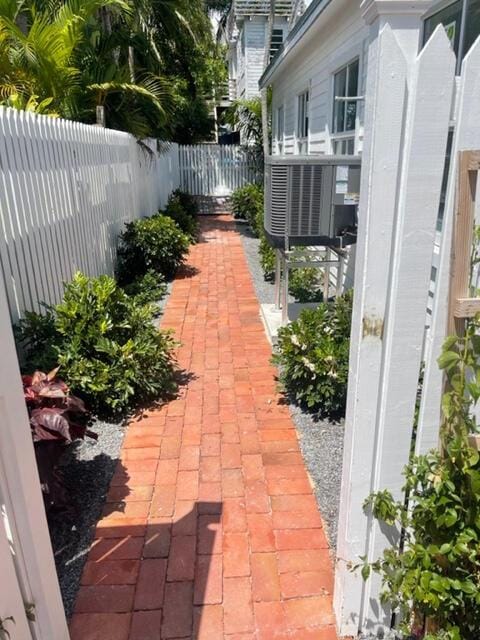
[441, 6]
[304, 127]
[347, 135]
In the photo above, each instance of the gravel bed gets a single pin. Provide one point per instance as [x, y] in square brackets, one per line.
[321, 440]
[88, 467]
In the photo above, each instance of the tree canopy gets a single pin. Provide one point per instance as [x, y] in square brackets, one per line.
[153, 65]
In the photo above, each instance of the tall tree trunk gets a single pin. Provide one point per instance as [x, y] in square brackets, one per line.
[131, 63]
[264, 92]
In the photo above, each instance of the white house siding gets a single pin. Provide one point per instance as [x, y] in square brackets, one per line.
[255, 36]
[312, 66]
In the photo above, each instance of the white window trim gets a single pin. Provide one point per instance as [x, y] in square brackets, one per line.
[305, 139]
[282, 141]
[355, 53]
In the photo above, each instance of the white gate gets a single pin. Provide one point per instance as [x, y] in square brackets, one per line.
[213, 169]
[410, 125]
[30, 603]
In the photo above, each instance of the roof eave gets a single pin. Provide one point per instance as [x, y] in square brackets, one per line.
[315, 9]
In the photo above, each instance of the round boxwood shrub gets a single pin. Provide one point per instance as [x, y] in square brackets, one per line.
[182, 216]
[151, 243]
[109, 350]
[312, 354]
[247, 204]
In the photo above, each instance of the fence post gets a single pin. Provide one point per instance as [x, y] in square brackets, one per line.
[391, 260]
[22, 501]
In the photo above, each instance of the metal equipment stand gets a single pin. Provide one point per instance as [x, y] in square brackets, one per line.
[317, 257]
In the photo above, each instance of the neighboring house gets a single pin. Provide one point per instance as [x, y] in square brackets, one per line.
[319, 76]
[245, 35]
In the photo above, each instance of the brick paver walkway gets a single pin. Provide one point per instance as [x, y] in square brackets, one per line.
[211, 529]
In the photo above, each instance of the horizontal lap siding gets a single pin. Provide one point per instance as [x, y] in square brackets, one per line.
[312, 67]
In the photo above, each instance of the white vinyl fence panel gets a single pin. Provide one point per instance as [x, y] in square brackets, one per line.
[213, 169]
[408, 119]
[66, 191]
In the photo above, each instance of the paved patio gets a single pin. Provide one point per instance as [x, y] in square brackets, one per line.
[211, 529]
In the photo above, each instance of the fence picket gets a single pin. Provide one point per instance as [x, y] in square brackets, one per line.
[213, 170]
[66, 190]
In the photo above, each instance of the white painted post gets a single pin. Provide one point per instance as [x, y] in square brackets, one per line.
[466, 136]
[386, 91]
[22, 499]
[379, 408]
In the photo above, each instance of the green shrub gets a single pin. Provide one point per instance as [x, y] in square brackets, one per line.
[36, 336]
[267, 258]
[155, 243]
[148, 288]
[177, 212]
[247, 203]
[107, 346]
[304, 283]
[312, 354]
[188, 202]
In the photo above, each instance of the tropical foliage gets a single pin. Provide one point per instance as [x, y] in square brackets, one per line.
[312, 354]
[155, 243]
[152, 66]
[107, 345]
[431, 576]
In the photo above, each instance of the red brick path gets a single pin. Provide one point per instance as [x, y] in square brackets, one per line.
[211, 529]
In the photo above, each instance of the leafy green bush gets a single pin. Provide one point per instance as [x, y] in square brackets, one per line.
[304, 283]
[36, 336]
[432, 579]
[247, 203]
[267, 258]
[188, 202]
[151, 243]
[176, 211]
[107, 346]
[312, 354]
[148, 288]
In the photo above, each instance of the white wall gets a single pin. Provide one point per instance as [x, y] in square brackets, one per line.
[339, 38]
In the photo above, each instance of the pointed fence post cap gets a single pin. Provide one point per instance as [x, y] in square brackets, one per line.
[372, 9]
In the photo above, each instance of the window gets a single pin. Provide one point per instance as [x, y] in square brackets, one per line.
[277, 41]
[461, 20]
[345, 85]
[302, 122]
[280, 131]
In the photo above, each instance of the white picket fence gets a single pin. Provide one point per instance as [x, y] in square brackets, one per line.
[66, 191]
[213, 169]
[412, 104]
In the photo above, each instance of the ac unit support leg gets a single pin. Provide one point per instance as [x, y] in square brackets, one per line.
[326, 277]
[278, 278]
[340, 270]
[286, 273]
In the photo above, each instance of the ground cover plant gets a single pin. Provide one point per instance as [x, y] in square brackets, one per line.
[109, 350]
[312, 355]
[155, 243]
[431, 576]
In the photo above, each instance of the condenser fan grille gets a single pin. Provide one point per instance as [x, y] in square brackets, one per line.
[302, 197]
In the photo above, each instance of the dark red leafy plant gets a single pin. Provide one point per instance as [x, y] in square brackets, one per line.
[56, 420]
